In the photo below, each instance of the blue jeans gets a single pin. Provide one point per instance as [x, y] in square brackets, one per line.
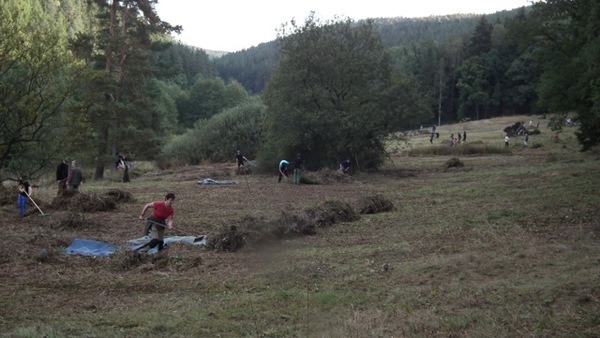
[22, 205]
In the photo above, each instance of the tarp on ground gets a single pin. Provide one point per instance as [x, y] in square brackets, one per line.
[210, 181]
[89, 247]
[168, 240]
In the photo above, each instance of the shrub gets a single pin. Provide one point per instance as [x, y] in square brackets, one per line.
[217, 138]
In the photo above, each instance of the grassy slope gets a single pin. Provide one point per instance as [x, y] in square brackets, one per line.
[506, 246]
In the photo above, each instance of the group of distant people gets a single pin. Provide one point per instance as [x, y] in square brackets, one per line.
[284, 166]
[68, 178]
[456, 141]
[507, 140]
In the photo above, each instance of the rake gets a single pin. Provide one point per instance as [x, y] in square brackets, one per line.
[196, 239]
[41, 212]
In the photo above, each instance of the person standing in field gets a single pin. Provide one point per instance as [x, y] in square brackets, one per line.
[526, 141]
[119, 162]
[62, 173]
[298, 162]
[241, 160]
[506, 141]
[161, 217]
[23, 195]
[75, 177]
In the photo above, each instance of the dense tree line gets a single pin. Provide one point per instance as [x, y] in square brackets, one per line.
[87, 79]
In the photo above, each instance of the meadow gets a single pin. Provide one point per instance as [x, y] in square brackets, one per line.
[507, 244]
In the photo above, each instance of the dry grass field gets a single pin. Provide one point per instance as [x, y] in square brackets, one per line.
[507, 245]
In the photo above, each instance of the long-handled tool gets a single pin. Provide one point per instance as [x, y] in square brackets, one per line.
[196, 239]
[41, 212]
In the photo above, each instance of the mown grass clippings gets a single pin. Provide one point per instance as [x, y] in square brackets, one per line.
[120, 196]
[374, 204]
[330, 212]
[84, 202]
[228, 239]
[454, 163]
[74, 219]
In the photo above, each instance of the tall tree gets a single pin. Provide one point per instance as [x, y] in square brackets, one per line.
[118, 100]
[571, 78]
[35, 68]
[330, 95]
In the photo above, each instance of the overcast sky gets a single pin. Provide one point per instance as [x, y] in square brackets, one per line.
[233, 25]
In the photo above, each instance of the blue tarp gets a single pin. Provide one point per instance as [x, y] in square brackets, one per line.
[100, 249]
[90, 248]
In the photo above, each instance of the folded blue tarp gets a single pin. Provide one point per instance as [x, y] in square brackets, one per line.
[90, 248]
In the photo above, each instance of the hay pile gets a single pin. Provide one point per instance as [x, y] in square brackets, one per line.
[84, 202]
[120, 196]
[374, 204]
[252, 231]
[324, 176]
[229, 240]
[75, 219]
[454, 163]
[331, 212]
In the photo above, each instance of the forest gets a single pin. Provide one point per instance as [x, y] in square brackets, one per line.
[87, 79]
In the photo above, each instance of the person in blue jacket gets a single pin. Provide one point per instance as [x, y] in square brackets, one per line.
[283, 169]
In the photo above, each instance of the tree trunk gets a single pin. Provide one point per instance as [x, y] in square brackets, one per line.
[99, 174]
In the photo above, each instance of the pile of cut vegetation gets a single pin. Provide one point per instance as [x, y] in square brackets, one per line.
[454, 162]
[252, 231]
[75, 219]
[331, 212]
[374, 204]
[75, 200]
[120, 196]
[324, 176]
[229, 240]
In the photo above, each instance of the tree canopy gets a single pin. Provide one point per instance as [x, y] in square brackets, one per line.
[331, 96]
[35, 72]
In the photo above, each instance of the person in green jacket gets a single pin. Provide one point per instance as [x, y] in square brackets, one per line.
[75, 177]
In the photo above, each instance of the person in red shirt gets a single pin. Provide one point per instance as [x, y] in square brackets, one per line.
[161, 216]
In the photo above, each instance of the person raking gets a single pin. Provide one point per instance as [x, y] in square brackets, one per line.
[23, 196]
[161, 216]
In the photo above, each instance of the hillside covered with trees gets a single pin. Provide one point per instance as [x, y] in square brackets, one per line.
[87, 79]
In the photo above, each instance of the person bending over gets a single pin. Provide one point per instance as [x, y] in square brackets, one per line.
[161, 216]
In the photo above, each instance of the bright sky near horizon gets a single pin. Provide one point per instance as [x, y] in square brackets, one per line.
[234, 25]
